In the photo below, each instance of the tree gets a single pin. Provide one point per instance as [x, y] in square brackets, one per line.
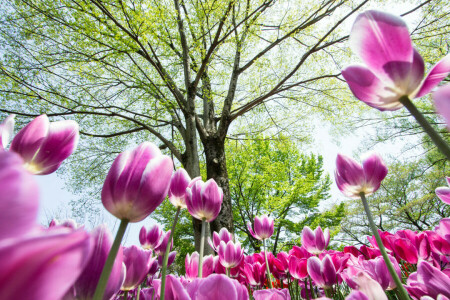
[175, 72]
[271, 176]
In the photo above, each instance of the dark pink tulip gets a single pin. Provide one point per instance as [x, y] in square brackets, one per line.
[369, 252]
[438, 243]
[298, 267]
[43, 265]
[223, 235]
[272, 294]
[429, 281]
[177, 191]
[191, 265]
[444, 192]
[153, 266]
[443, 229]
[204, 200]
[263, 227]
[353, 178]
[405, 249]
[218, 287]
[394, 68]
[230, 254]
[6, 131]
[85, 285]
[152, 238]
[174, 290]
[161, 248]
[300, 252]
[255, 274]
[315, 242]
[378, 270]
[44, 146]
[171, 259]
[322, 272]
[19, 197]
[442, 103]
[137, 262]
[352, 250]
[137, 183]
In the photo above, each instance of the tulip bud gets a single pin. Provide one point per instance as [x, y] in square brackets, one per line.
[230, 254]
[137, 183]
[315, 242]
[204, 200]
[152, 238]
[178, 185]
[263, 226]
[137, 262]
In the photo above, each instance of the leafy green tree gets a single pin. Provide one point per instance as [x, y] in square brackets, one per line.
[271, 176]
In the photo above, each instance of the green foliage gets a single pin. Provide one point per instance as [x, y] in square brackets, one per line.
[274, 177]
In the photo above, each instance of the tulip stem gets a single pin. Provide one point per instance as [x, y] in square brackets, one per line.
[138, 293]
[228, 271]
[403, 295]
[125, 295]
[269, 280]
[202, 249]
[166, 255]
[306, 288]
[101, 285]
[435, 137]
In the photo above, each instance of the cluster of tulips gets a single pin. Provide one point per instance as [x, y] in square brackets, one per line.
[64, 261]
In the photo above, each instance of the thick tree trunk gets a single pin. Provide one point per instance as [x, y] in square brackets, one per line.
[216, 168]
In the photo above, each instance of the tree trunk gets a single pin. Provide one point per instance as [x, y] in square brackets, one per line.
[216, 168]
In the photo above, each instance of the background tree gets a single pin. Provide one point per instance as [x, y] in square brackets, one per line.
[272, 176]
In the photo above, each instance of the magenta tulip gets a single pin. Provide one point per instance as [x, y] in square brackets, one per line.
[377, 269]
[444, 192]
[191, 264]
[86, 283]
[137, 262]
[217, 287]
[152, 238]
[429, 281]
[406, 250]
[161, 248]
[230, 254]
[204, 200]
[44, 146]
[369, 287]
[137, 183]
[174, 290]
[298, 267]
[6, 131]
[353, 179]
[177, 190]
[322, 272]
[19, 197]
[43, 265]
[170, 260]
[394, 68]
[442, 103]
[255, 273]
[263, 226]
[315, 242]
[272, 294]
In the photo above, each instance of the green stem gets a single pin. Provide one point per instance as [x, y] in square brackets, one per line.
[311, 288]
[402, 292]
[306, 288]
[228, 271]
[202, 249]
[138, 294]
[267, 265]
[166, 256]
[125, 295]
[107, 268]
[435, 137]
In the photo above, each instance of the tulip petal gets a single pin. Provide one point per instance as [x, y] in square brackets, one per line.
[6, 131]
[442, 102]
[217, 287]
[436, 75]
[374, 170]
[380, 38]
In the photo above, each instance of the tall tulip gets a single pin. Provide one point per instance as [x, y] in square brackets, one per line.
[204, 200]
[44, 145]
[136, 184]
[394, 69]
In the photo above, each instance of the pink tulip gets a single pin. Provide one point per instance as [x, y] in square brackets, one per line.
[428, 281]
[204, 200]
[177, 191]
[86, 283]
[230, 254]
[137, 183]
[223, 235]
[171, 258]
[298, 267]
[393, 67]
[152, 238]
[353, 179]
[137, 262]
[44, 146]
[322, 272]
[217, 287]
[19, 197]
[255, 274]
[272, 294]
[444, 192]
[6, 131]
[406, 250]
[174, 290]
[161, 248]
[43, 265]
[263, 226]
[315, 242]
[442, 103]
[369, 287]
[191, 265]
